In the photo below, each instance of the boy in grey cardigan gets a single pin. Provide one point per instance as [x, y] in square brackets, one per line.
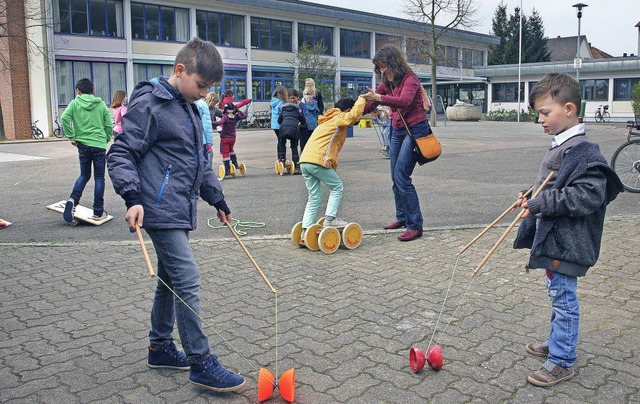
[563, 225]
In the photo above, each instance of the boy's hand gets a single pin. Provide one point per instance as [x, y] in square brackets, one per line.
[522, 202]
[134, 216]
[224, 218]
[74, 143]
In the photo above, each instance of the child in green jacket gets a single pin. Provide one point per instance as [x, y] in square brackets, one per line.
[90, 132]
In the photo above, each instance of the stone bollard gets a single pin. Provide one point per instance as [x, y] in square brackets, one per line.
[461, 111]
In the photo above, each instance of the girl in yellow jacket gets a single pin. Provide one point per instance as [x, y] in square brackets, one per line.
[319, 160]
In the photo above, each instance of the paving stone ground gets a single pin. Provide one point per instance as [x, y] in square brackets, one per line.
[74, 319]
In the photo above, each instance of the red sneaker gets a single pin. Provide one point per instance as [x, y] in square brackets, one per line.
[410, 234]
[395, 225]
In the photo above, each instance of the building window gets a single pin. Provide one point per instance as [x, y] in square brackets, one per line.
[159, 23]
[316, 34]
[271, 34]
[477, 58]
[147, 71]
[353, 86]
[221, 29]
[264, 83]
[417, 51]
[467, 58]
[106, 78]
[89, 17]
[355, 43]
[594, 90]
[384, 39]
[235, 80]
[622, 88]
[507, 92]
[451, 56]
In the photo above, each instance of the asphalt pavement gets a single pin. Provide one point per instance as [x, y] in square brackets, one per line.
[75, 301]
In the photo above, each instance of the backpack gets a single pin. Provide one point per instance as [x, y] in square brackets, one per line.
[314, 112]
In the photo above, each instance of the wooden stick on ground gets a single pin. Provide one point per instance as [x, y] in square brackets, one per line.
[255, 264]
[482, 233]
[511, 226]
[144, 251]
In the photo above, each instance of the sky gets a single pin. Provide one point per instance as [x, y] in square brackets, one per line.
[608, 24]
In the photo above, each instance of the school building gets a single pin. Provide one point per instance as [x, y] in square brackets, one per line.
[117, 43]
[607, 81]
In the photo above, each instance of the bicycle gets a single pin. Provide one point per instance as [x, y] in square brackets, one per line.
[263, 119]
[602, 114]
[248, 121]
[626, 159]
[58, 131]
[35, 131]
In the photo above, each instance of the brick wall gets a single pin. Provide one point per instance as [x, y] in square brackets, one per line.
[14, 77]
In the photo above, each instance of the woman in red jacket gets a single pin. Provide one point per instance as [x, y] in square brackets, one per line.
[401, 90]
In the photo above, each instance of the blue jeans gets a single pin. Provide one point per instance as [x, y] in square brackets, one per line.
[177, 267]
[565, 318]
[89, 155]
[403, 162]
[314, 175]
[385, 136]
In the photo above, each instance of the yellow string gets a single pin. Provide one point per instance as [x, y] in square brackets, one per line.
[238, 226]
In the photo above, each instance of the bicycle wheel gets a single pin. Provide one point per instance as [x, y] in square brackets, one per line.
[606, 117]
[58, 132]
[626, 163]
[39, 134]
[598, 116]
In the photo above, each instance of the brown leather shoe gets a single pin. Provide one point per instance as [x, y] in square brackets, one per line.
[395, 225]
[410, 234]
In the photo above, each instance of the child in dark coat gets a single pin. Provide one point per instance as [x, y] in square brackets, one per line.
[290, 120]
[158, 167]
[563, 224]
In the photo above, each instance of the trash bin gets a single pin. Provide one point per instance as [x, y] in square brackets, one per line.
[350, 131]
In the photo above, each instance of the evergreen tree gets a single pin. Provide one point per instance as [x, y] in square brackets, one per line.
[534, 43]
[499, 29]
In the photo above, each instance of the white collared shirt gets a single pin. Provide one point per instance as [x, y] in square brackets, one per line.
[567, 134]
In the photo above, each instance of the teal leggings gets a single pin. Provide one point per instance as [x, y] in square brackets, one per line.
[314, 175]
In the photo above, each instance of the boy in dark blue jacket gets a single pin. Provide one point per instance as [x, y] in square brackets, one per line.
[563, 224]
[160, 170]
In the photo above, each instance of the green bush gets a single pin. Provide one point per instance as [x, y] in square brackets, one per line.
[635, 99]
[510, 115]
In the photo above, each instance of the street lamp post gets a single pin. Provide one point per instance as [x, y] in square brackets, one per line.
[577, 62]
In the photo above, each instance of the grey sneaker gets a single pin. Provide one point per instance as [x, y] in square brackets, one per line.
[335, 223]
[100, 217]
[540, 349]
[550, 374]
[69, 211]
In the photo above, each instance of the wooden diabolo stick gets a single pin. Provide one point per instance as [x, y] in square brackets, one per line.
[144, 251]
[482, 233]
[511, 226]
[255, 264]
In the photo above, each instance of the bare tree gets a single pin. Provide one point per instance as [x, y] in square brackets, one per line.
[14, 29]
[450, 14]
[312, 61]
